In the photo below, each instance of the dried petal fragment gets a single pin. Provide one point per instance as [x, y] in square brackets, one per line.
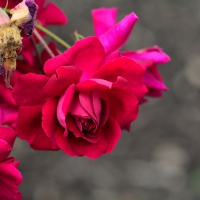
[4, 18]
[20, 14]
[33, 8]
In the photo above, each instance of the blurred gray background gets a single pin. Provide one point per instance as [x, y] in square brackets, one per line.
[160, 158]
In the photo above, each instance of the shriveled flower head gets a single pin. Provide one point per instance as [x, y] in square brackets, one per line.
[10, 38]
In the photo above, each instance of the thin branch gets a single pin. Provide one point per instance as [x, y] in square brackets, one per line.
[43, 43]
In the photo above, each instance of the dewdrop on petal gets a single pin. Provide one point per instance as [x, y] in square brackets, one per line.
[23, 17]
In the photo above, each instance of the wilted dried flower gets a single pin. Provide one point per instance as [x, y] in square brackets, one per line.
[10, 39]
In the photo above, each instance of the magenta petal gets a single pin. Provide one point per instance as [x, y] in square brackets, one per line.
[64, 104]
[115, 37]
[47, 15]
[152, 53]
[29, 127]
[64, 77]
[93, 84]
[28, 89]
[152, 82]
[103, 19]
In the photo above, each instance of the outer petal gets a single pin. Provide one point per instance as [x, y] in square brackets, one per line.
[8, 135]
[112, 132]
[129, 70]
[10, 179]
[109, 135]
[86, 54]
[29, 127]
[103, 19]
[123, 106]
[153, 79]
[59, 82]
[115, 37]
[31, 85]
[78, 146]
[5, 150]
[152, 53]
[47, 18]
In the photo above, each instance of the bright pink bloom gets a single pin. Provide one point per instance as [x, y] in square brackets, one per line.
[113, 36]
[11, 178]
[81, 102]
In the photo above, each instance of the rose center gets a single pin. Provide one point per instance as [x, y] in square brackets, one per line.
[85, 125]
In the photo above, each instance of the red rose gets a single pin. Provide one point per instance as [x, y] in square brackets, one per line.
[10, 176]
[81, 102]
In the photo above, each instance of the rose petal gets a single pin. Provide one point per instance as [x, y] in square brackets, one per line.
[60, 18]
[152, 53]
[103, 19]
[7, 134]
[112, 132]
[93, 84]
[29, 127]
[78, 146]
[49, 119]
[115, 37]
[86, 54]
[10, 179]
[123, 106]
[64, 105]
[151, 81]
[128, 69]
[91, 103]
[31, 85]
[64, 77]
[5, 150]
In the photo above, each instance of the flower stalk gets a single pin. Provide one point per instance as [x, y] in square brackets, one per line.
[43, 43]
[52, 35]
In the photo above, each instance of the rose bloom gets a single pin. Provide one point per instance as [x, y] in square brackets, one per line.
[11, 178]
[114, 35]
[81, 102]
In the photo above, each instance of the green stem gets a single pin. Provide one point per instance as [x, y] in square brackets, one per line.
[53, 36]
